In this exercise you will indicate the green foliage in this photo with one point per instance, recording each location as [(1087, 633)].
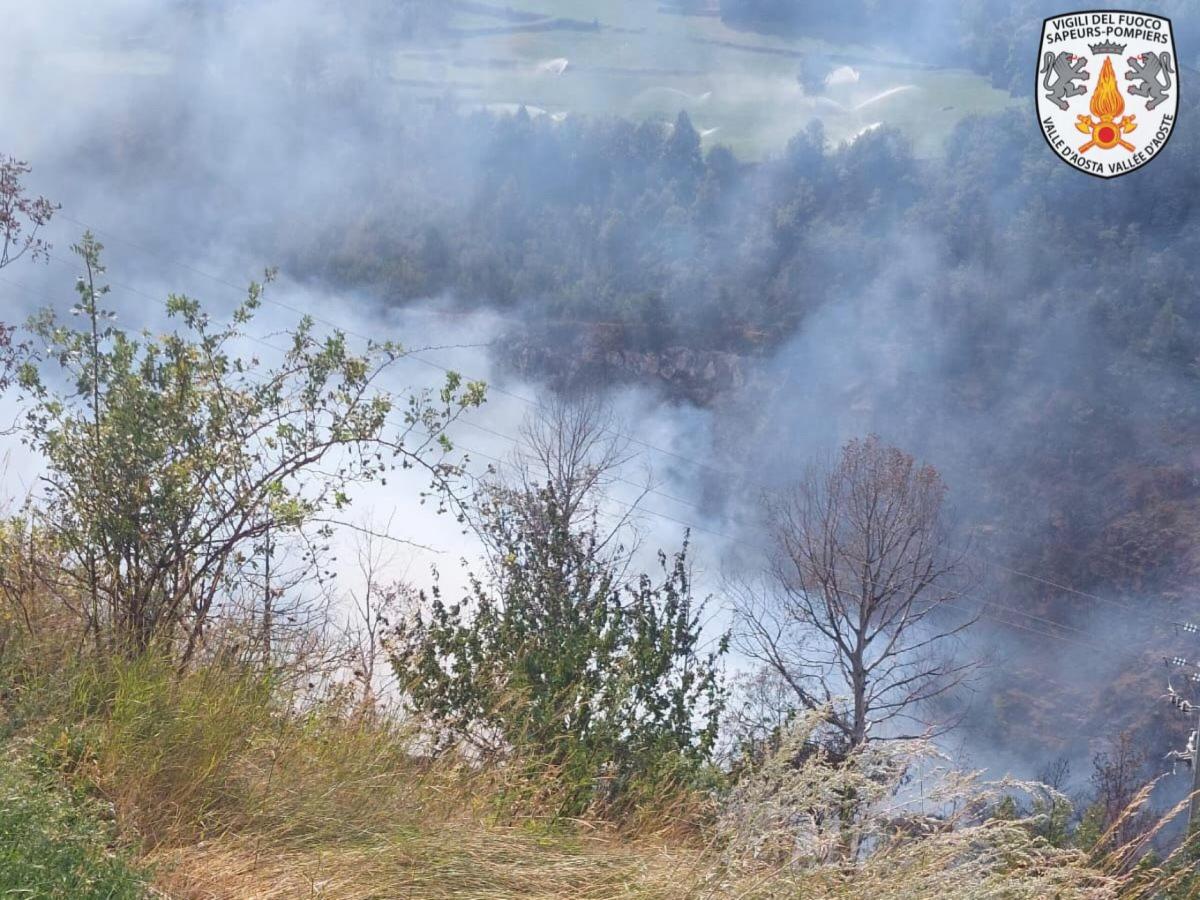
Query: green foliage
[(1048, 815), (53, 845), (171, 458), (21, 218), (1181, 870), (1006, 810), (561, 658), (1053, 818), (1091, 827)]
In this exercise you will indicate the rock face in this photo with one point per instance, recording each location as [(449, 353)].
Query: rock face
[(686, 374)]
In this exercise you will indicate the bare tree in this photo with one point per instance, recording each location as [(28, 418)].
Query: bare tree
[(21, 216), (374, 609), (570, 452), (1118, 815), (849, 613), (572, 445)]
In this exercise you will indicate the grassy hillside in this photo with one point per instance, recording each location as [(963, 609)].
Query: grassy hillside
[(552, 735), (227, 784), (226, 789)]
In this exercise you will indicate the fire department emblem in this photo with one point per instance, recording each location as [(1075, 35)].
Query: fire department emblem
[(1107, 89)]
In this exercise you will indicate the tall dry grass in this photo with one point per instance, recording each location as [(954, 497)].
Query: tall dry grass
[(231, 785), (916, 827)]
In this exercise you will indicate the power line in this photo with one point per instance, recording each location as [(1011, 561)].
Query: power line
[(1072, 591), (332, 324), (473, 452), (628, 507), (638, 508), (1087, 645), (414, 355)]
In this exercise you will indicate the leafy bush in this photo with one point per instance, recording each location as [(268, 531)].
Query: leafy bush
[(562, 659), (174, 464)]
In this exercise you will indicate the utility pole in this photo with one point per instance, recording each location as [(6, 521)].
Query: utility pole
[(1190, 753), (1194, 810)]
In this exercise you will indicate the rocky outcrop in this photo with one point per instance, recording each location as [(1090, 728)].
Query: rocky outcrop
[(701, 377)]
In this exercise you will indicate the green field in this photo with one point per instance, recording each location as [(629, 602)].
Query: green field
[(633, 59), (739, 88)]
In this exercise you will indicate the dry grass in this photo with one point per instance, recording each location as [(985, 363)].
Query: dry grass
[(231, 792), (789, 832), (229, 788), (446, 861), (334, 808)]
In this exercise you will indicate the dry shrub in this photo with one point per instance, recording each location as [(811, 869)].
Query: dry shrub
[(893, 820)]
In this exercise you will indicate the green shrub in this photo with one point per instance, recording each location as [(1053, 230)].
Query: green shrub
[(562, 659)]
